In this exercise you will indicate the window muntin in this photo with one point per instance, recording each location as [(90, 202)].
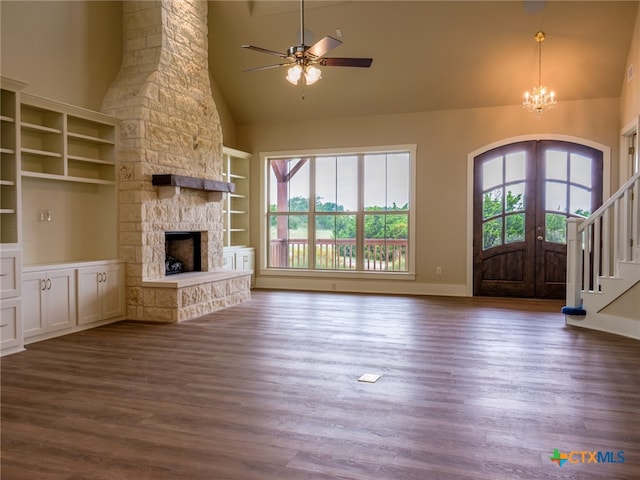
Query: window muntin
[(568, 191), (358, 220), (503, 199)]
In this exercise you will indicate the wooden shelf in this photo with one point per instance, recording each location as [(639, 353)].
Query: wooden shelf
[(39, 128), (90, 139), (194, 183)]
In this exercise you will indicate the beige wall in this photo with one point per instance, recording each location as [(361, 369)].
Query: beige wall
[(67, 51), (444, 139), (630, 97)]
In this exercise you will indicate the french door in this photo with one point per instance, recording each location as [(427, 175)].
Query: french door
[(523, 194)]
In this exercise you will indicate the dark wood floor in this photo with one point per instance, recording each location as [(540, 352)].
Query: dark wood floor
[(471, 388)]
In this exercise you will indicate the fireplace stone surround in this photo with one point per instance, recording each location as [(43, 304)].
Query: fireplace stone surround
[(169, 125)]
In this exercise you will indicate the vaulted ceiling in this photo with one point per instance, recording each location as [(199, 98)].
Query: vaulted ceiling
[(428, 55)]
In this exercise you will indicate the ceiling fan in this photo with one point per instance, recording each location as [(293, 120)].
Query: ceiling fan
[(303, 59)]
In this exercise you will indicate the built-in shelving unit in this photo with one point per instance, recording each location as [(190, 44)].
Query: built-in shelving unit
[(9, 179), (60, 142), (11, 339), (238, 255), (236, 205), (58, 208), (68, 174)]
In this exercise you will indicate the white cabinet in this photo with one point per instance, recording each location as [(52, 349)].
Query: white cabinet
[(11, 326), (10, 273), (49, 302), (101, 294), (10, 300), (228, 260), (244, 258), (239, 258)]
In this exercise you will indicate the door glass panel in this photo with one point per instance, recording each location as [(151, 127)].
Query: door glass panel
[(556, 197), (515, 166), (492, 203), (580, 201), (580, 170), (514, 228), (556, 165), (515, 197), (492, 233), (492, 173), (555, 228)]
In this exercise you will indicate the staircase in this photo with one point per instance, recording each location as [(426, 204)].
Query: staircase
[(603, 265)]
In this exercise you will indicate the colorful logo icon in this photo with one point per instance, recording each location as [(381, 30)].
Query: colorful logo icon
[(559, 458)]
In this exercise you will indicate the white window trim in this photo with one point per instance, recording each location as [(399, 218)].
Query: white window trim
[(263, 269)]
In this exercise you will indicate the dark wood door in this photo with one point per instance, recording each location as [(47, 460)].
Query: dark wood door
[(523, 194)]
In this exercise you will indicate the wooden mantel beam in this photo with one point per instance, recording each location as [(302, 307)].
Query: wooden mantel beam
[(170, 184)]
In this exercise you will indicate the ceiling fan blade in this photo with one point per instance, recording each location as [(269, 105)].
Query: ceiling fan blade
[(323, 46), (264, 50), (266, 67), (347, 62)]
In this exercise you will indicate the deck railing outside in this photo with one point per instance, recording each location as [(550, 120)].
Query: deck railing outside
[(379, 254), (597, 244)]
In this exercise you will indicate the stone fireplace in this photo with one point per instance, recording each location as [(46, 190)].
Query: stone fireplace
[(169, 126)]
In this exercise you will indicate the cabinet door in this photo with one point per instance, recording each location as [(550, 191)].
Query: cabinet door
[(34, 316), (10, 268), (113, 296), (244, 259), (228, 261), (61, 299), (10, 323), (89, 297)]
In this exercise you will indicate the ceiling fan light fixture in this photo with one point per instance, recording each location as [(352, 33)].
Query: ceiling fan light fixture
[(312, 74), (294, 74)]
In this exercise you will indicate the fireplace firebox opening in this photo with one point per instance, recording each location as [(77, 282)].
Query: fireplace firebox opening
[(182, 252)]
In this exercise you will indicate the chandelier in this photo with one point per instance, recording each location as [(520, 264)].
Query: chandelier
[(541, 98)]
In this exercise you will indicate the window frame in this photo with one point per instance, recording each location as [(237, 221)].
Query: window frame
[(264, 269)]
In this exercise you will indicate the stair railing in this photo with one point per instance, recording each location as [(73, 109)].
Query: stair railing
[(595, 245)]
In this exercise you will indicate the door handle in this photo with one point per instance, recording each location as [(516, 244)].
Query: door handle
[(540, 237)]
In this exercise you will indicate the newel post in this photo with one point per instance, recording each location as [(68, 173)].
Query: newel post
[(574, 263)]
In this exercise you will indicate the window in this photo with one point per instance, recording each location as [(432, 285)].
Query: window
[(340, 213)]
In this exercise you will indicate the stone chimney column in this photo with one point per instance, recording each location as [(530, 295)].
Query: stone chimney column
[(168, 125)]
